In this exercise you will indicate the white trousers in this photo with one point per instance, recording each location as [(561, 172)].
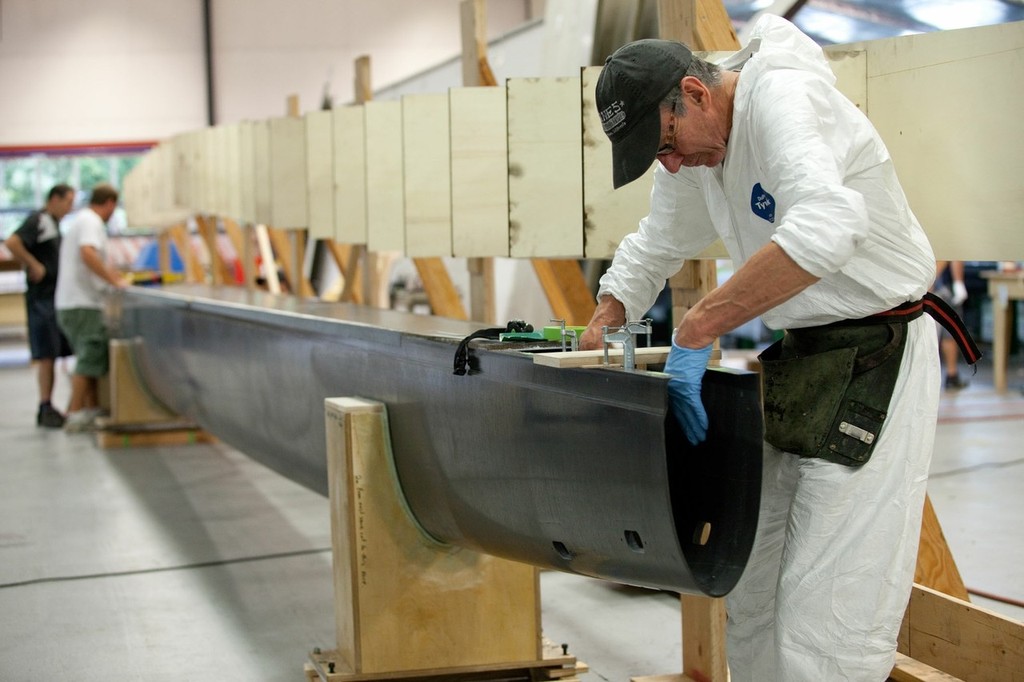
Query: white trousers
[(827, 584)]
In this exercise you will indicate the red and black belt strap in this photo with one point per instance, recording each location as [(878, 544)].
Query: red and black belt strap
[(938, 309)]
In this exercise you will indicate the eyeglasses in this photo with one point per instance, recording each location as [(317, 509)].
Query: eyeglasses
[(670, 146)]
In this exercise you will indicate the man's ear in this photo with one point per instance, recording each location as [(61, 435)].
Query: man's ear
[(694, 90)]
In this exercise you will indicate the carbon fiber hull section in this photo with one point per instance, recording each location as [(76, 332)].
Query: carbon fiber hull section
[(573, 469)]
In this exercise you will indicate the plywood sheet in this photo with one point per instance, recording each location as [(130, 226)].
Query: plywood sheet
[(261, 174), (545, 166), (608, 214), (246, 173), (850, 65), (427, 168), (288, 183), (182, 186), (385, 206), (479, 171), (232, 171), (349, 175), (320, 174), (948, 106), (201, 153)]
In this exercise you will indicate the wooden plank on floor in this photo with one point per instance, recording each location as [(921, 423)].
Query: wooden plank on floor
[(152, 438), (909, 670), (962, 639)]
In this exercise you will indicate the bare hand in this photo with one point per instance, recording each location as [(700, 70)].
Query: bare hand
[(609, 313), (36, 272), (591, 338)]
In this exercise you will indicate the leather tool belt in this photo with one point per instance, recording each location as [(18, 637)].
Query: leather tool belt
[(827, 389)]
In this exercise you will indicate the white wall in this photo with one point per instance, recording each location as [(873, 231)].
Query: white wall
[(132, 70), (99, 71), (265, 50)]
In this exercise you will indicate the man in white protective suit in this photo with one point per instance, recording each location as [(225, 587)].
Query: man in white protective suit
[(766, 154)]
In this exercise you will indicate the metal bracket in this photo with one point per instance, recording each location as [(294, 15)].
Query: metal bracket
[(624, 335), (570, 334)]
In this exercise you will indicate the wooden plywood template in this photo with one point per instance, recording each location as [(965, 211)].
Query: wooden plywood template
[(958, 150), (288, 184), (320, 174), (349, 176), (385, 203), (608, 214), (232, 170), (479, 171), (246, 173), (261, 172), (212, 188), (182, 194), (201, 170), (427, 168), (850, 65), (545, 168)]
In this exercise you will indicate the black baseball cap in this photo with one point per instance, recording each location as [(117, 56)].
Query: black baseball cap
[(632, 84)]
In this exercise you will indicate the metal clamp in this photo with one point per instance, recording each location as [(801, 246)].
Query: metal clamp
[(573, 343), (624, 335)]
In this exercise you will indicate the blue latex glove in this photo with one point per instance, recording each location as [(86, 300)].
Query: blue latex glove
[(687, 366)]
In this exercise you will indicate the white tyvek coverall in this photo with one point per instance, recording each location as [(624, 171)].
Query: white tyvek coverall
[(827, 584)]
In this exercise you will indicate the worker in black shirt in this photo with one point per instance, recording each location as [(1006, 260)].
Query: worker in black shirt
[(36, 245)]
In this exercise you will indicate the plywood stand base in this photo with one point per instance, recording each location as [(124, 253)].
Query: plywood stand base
[(328, 666), (137, 418), (406, 606)]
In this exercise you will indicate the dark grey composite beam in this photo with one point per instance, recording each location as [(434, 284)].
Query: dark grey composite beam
[(572, 469)]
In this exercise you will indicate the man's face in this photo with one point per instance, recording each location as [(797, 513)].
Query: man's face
[(694, 139), (106, 209), (59, 206)]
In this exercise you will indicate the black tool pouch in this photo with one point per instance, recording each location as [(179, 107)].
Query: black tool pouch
[(827, 389)]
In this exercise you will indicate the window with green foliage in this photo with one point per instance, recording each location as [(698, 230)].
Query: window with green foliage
[(28, 179)]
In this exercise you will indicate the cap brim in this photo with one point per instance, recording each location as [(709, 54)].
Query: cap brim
[(633, 154)]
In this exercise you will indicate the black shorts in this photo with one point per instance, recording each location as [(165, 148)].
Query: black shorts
[(45, 339)]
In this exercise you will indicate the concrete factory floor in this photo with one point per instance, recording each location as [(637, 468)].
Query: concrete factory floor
[(196, 563)]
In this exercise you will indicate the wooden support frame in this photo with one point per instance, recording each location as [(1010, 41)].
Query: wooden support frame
[(242, 239), (220, 271), (956, 637), (406, 606), (183, 242)]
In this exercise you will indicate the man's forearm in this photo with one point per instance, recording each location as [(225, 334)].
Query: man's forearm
[(769, 278), (20, 253), (93, 261)]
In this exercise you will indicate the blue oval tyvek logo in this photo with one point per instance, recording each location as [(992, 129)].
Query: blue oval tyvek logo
[(762, 203)]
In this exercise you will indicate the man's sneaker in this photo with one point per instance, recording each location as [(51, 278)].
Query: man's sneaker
[(955, 383), (49, 418), (80, 421)]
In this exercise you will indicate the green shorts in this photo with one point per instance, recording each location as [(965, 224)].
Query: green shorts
[(88, 336)]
